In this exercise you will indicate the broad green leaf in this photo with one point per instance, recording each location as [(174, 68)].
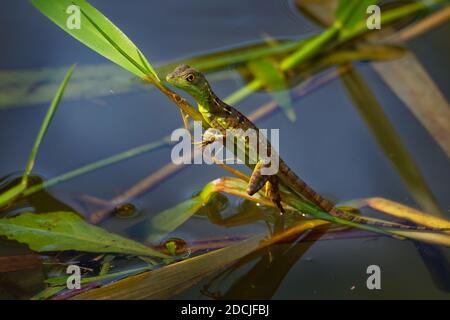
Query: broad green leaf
[(98, 33), (267, 71), (389, 141), (60, 231)]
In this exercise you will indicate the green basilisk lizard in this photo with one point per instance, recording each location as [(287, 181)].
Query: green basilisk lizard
[(227, 119)]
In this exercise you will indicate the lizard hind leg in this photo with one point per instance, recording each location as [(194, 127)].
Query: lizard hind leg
[(273, 193)]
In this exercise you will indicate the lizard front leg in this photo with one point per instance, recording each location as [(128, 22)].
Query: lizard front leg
[(210, 136)]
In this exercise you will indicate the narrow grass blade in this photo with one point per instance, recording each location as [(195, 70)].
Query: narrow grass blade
[(420, 94), (402, 211), (389, 141), (17, 190), (98, 165), (268, 72), (349, 13), (229, 58), (48, 118)]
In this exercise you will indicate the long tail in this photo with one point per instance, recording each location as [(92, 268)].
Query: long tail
[(299, 186)]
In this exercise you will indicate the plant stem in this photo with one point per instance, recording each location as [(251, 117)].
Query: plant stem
[(309, 49)]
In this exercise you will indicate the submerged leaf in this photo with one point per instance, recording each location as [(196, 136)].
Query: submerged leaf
[(60, 231)]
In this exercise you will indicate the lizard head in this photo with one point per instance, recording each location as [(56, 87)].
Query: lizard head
[(190, 80)]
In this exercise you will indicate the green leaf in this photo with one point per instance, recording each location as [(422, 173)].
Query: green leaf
[(48, 118), (350, 12), (11, 194), (228, 58), (99, 34), (267, 71), (18, 189), (60, 231), (170, 219)]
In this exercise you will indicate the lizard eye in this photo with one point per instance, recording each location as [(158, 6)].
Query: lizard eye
[(190, 78)]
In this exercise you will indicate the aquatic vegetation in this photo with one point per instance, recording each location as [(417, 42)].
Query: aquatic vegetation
[(282, 68), (60, 231), (16, 191)]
